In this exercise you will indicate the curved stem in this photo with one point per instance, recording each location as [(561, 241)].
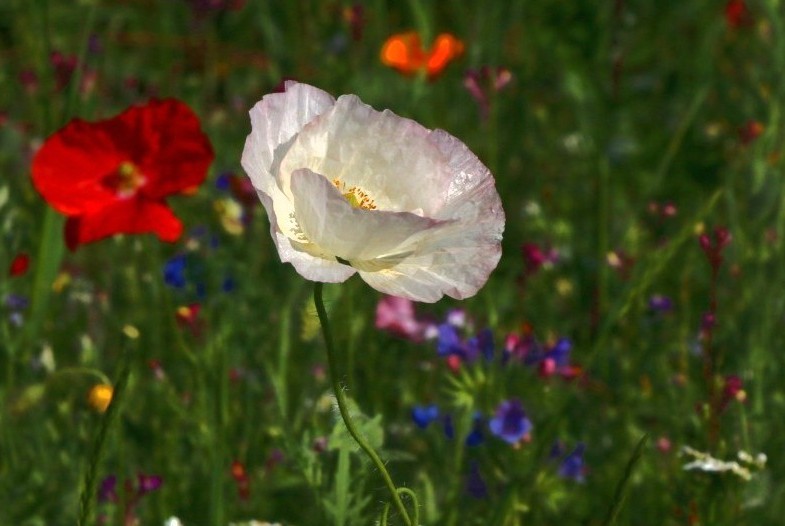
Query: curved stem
[(344, 410)]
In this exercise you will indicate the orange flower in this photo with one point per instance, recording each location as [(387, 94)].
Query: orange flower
[(404, 52), (100, 396)]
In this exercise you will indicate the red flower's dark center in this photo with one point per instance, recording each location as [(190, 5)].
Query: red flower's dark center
[(125, 180)]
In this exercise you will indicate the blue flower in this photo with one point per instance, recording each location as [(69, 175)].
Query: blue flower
[(482, 344), (424, 415), (475, 436), (573, 466), (174, 271), (449, 341), (510, 422)]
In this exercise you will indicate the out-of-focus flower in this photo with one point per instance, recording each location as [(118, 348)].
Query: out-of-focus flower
[(147, 483), (449, 343), (404, 52), (174, 271), (397, 316), (19, 265), (63, 66), (423, 415), (100, 396), (621, 262), (29, 81), (475, 484), (240, 476), (188, 317), (354, 15), (573, 465), (737, 14), (660, 303), (231, 215), (113, 176), (713, 248), (476, 436), (15, 303), (535, 257), (733, 389), (205, 7), (348, 189), (510, 422), (751, 130), (705, 462), (553, 360), (483, 83), (107, 489)]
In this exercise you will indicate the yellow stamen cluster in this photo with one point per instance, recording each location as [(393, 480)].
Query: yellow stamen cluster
[(356, 197), (126, 179)]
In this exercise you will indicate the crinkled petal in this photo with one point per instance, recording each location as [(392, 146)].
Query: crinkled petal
[(388, 157), (129, 216), (456, 260), (362, 237), (274, 121)]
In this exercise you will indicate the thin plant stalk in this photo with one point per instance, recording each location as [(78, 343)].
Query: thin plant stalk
[(96, 451), (344, 410)]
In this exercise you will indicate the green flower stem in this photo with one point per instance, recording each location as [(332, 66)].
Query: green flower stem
[(344, 410), (88, 484)]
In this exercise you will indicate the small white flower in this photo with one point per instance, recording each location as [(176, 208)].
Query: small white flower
[(705, 462), (350, 189)]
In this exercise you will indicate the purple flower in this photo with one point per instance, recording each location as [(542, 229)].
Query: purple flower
[(475, 485), (16, 302), (573, 466), (423, 415), (510, 422), (147, 483), (450, 343), (106, 490), (482, 344), (659, 303)]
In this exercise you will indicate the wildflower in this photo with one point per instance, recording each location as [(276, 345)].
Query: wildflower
[(354, 15), (174, 271), (553, 361), (147, 483), (510, 422), (573, 466), (475, 436), (705, 462), (396, 316), (732, 390), (535, 258), (63, 66), (240, 476), (107, 489), (404, 52), (751, 130), (449, 343), (348, 189), (188, 316), (475, 484), (484, 82), (19, 265), (737, 14), (713, 248), (424, 415), (113, 176), (231, 215), (660, 303), (100, 396)]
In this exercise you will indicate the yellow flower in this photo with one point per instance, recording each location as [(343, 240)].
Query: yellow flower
[(100, 396)]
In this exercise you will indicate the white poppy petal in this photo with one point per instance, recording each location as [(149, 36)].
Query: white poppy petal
[(354, 234), (389, 157), (275, 120)]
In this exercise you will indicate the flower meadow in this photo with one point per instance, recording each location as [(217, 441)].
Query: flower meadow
[(391, 263)]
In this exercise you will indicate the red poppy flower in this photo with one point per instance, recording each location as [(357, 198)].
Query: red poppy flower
[(404, 52), (113, 176)]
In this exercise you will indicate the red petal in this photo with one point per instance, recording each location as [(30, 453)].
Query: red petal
[(69, 168), (125, 216), (175, 154)]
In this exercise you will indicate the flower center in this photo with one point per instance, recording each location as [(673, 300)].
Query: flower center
[(357, 197), (125, 180)]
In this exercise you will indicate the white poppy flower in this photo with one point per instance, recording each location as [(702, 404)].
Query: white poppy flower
[(350, 189)]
